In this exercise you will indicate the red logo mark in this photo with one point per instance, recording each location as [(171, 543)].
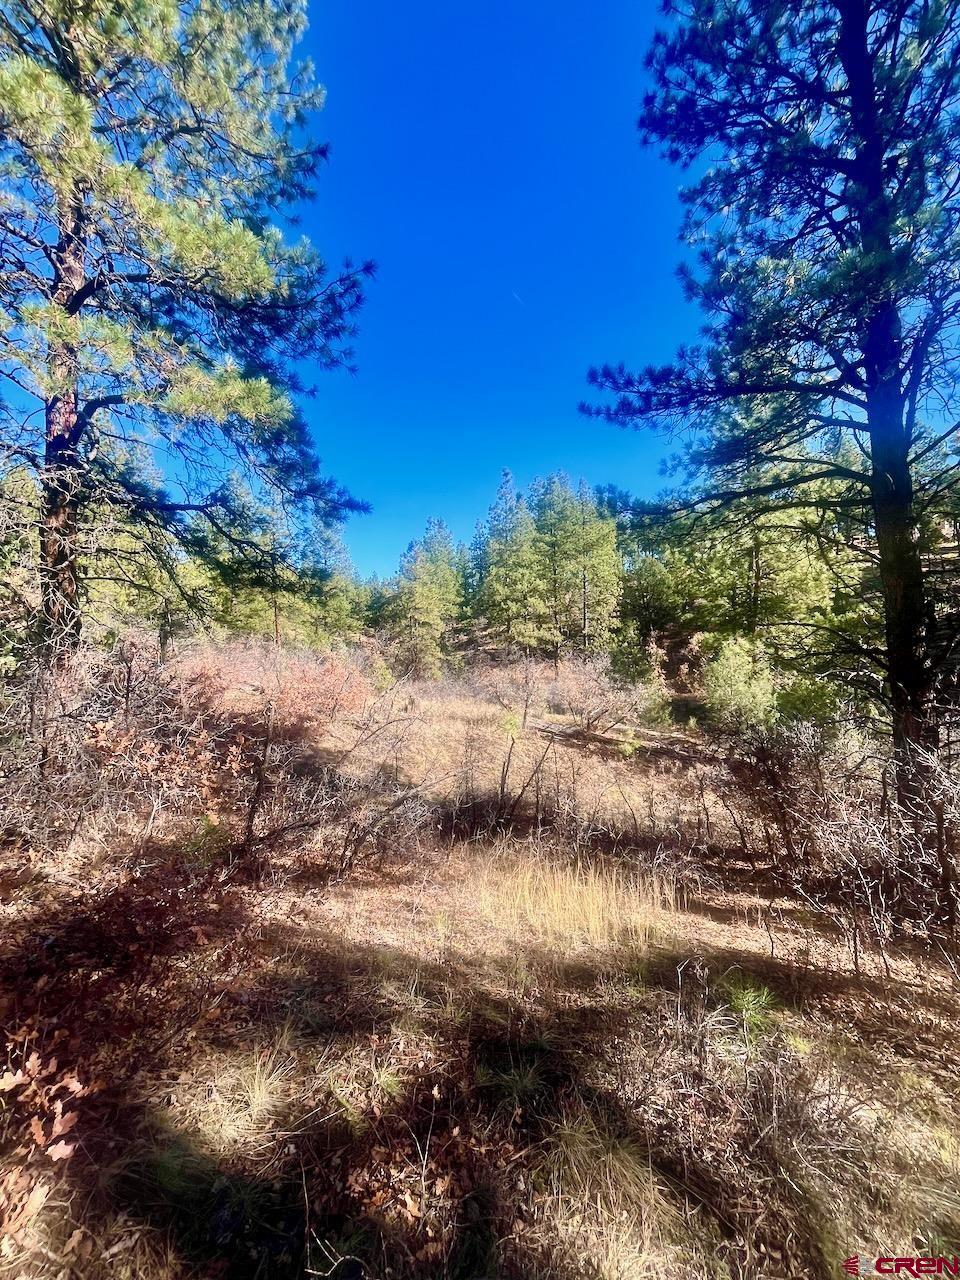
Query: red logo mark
[(859, 1266)]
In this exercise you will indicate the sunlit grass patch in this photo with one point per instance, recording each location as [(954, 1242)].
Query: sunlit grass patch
[(573, 904), (914, 1146), (235, 1099), (361, 1083)]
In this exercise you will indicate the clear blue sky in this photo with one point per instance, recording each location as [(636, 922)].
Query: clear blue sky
[(486, 156)]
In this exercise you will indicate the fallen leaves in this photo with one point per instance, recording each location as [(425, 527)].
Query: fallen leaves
[(21, 1199), (38, 1087), (79, 1245), (63, 1120)]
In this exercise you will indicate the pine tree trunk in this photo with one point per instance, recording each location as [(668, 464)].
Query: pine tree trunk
[(59, 578), (906, 608), (60, 477), (585, 611)]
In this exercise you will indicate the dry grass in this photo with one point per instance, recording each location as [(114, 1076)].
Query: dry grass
[(244, 1094), (628, 787), (607, 1204), (572, 904), (447, 1063)]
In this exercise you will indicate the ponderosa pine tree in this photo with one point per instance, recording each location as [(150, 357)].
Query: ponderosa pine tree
[(579, 566), (827, 222), (599, 568), (150, 309), (512, 591), (422, 609)]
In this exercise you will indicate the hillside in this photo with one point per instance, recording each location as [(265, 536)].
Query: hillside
[(347, 982)]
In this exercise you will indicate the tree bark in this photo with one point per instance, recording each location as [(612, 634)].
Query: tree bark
[(60, 476), (907, 609)]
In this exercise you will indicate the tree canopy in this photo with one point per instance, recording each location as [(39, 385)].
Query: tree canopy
[(154, 316), (824, 218)]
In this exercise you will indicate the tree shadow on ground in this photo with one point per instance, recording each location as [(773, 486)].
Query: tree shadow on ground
[(431, 1173)]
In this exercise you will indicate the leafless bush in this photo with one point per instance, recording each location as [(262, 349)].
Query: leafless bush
[(306, 690), (522, 688), (588, 690), (216, 751), (104, 742), (829, 822)]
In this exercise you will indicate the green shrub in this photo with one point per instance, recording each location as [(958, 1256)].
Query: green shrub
[(810, 699), (753, 1002), (739, 687)]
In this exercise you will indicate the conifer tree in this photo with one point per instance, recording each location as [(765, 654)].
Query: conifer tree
[(825, 219), (600, 571), (150, 308), (513, 589), (422, 610), (579, 565)]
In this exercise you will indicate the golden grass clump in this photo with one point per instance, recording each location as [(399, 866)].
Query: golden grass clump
[(245, 1092), (573, 904), (606, 1203)]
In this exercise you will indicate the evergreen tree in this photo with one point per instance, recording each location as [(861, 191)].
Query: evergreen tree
[(424, 607), (579, 565), (827, 224), (793, 582), (597, 562), (149, 304), (477, 567), (306, 593), (513, 596), (17, 563)]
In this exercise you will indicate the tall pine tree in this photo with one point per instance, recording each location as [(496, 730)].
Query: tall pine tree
[(826, 217), (513, 594), (424, 606), (579, 565), (150, 307)]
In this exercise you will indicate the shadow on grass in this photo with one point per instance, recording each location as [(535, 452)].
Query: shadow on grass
[(428, 1166)]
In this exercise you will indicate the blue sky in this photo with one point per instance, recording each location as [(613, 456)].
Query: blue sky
[(487, 157)]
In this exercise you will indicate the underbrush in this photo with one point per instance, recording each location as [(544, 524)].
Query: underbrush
[(821, 812), (302, 974)]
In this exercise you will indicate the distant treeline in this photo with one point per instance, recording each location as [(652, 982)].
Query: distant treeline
[(554, 571)]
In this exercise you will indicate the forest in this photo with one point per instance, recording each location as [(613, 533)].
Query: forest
[(577, 900)]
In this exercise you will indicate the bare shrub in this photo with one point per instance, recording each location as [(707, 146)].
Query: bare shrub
[(588, 690), (215, 751), (306, 690), (825, 815), (522, 688), (107, 741)]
